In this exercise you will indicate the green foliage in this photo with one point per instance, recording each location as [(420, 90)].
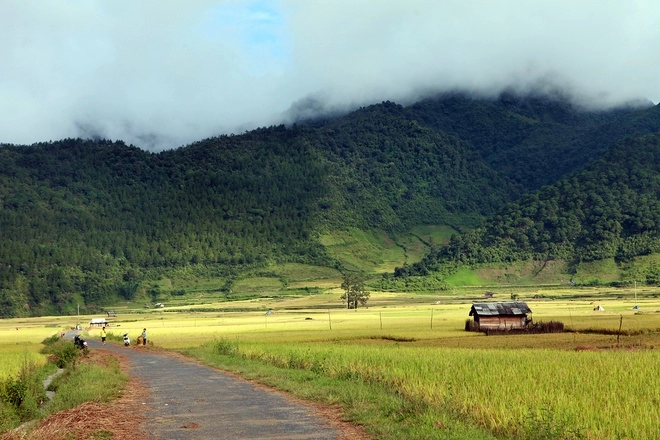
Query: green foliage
[(611, 210), (21, 396), (8, 416), (225, 347), (61, 352), (354, 291), (546, 425), (86, 383)]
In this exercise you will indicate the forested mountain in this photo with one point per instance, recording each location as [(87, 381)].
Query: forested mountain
[(609, 210), (534, 140), (86, 220)]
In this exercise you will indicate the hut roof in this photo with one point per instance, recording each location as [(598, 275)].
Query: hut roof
[(500, 309)]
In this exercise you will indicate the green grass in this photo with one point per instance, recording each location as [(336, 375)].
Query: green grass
[(86, 383), (377, 252), (578, 392), (434, 234), (256, 285), (464, 277), (382, 413), (602, 271)]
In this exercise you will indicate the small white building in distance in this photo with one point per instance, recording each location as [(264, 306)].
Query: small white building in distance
[(98, 322)]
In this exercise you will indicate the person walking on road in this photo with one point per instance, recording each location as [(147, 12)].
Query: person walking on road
[(144, 336), (103, 335)]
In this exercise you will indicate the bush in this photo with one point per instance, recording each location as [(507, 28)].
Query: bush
[(51, 340), (225, 347), (61, 352), (536, 328), (8, 416), (111, 336), (21, 396)]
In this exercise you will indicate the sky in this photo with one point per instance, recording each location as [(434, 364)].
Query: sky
[(160, 74)]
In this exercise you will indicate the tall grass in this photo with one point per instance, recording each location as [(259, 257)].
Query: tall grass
[(520, 394), (21, 395), (87, 383), (12, 358)]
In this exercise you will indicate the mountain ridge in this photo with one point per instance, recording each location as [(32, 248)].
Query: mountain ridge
[(87, 220)]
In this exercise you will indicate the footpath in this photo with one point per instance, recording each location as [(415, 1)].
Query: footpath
[(187, 400)]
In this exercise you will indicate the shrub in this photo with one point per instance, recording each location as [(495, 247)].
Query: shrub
[(225, 347), (8, 416), (23, 395), (61, 352)]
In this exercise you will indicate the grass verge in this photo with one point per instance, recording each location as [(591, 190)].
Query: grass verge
[(86, 382), (382, 413), (23, 398)]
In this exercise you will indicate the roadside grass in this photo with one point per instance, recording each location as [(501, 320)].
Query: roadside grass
[(21, 394), (572, 394), (383, 414), (86, 382), (34, 351)]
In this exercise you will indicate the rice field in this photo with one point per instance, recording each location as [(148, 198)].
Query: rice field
[(568, 385), (595, 394), (20, 342)]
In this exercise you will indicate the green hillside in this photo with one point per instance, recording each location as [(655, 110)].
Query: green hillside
[(379, 191), (534, 140), (608, 212)]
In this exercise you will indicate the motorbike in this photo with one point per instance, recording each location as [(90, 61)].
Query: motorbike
[(127, 340), (80, 342)]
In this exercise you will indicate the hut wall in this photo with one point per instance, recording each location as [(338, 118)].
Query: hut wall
[(501, 322)]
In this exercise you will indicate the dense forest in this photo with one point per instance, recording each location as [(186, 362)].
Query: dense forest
[(609, 210), (534, 177)]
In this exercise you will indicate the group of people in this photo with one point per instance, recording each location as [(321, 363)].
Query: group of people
[(127, 340)]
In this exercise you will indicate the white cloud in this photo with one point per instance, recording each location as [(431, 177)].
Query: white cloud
[(160, 74)]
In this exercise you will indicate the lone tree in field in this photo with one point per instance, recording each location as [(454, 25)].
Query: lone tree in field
[(354, 292)]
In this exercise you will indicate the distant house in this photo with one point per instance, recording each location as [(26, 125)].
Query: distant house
[(111, 314), (500, 315), (98, 322)]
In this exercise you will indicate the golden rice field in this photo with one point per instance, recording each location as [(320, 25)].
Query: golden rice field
[(20, 341), (587, 385)]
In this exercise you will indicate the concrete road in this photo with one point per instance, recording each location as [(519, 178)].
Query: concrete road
[(191, 401)]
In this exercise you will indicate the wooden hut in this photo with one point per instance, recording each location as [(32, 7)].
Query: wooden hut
[(500, 315), (98, 322)]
